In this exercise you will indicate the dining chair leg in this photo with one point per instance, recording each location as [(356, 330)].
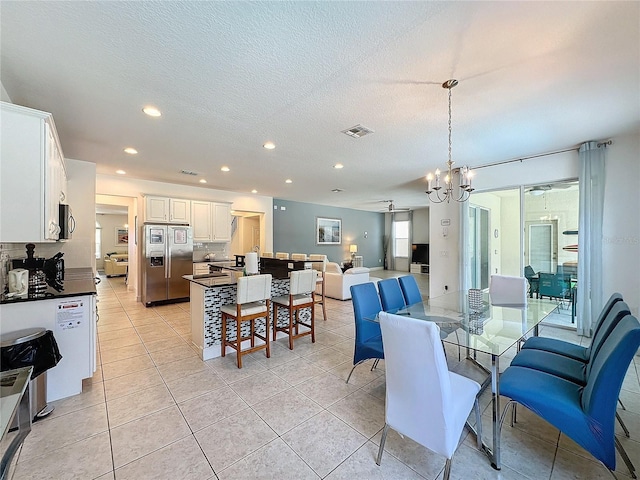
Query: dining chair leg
[(382, 440), (354, 367), (621, 404), (447, 469), (625, 457), (476, 407), (624, 427)]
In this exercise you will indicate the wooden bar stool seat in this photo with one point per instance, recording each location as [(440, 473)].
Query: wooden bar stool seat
[(302, 285), (252, 303)]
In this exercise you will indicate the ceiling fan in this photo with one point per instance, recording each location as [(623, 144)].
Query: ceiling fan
[(540, 189), (392, 208)]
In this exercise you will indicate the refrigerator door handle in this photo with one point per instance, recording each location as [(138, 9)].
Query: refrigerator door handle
[(168, 264)]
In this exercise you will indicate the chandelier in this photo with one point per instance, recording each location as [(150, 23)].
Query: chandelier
[(464, 188)]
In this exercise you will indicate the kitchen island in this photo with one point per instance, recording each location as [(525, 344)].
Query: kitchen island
[(208, 294)]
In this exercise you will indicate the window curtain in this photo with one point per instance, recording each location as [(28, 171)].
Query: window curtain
[(392, 244), (464, 249), (591, 203)]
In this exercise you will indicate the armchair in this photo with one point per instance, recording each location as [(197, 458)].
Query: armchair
[(338, 283), (116, 264)]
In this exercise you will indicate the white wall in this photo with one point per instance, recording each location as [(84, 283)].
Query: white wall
[(420, 226), (81, 188), (621, 223)]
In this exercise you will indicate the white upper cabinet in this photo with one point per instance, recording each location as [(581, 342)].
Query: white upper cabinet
[(221, 222), (32, 176), (167, 210), (201, 221), (211, 221)]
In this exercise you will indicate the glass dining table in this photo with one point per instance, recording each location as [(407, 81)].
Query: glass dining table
[(477, 325)]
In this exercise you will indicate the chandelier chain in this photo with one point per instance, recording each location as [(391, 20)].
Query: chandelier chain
[(449, 125)]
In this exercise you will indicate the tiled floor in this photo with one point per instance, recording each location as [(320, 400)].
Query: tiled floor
[(153, 410)]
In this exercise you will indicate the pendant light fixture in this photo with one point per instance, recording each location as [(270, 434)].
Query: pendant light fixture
[(464, 188)]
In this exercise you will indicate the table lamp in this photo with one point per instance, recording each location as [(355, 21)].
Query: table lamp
[(353, 248)]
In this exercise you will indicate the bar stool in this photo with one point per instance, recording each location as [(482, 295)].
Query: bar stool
[(319, 264), (252, 302), (267, 254), (282, 256), (299, 256), (302, 285)]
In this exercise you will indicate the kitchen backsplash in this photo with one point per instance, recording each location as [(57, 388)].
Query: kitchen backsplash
[(200, 250), (12, 251)]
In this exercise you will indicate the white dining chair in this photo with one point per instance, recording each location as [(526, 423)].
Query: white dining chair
[(508, 290), (424, 400)]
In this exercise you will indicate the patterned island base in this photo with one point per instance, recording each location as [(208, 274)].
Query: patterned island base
[(206, 324)]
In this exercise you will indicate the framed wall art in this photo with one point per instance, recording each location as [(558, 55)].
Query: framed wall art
[(122, 236), (328, 231)]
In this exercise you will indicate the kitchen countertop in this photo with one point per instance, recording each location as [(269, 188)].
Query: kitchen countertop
[(216, 260), (77, 281), (215, 279)]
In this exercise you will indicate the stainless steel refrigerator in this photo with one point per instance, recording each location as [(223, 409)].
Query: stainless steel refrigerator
[(167, 256)]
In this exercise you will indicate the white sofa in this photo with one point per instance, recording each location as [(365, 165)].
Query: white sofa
[(338, 284)]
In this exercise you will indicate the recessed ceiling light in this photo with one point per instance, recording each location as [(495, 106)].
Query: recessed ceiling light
[(131, 151), (152, 111), (224, 168), (288, 180), (254, 191), (121, 172), (269, 145), (338, 166), (202, 180)]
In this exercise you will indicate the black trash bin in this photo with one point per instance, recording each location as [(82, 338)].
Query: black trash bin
[(36, 347)]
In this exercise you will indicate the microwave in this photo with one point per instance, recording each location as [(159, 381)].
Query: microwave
[(66, 221)]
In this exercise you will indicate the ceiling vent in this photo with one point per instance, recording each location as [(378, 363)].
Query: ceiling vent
[(337, 190), (189, 172), (357, 131)]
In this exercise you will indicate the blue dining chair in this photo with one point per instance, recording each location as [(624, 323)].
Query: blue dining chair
[(576, 371), (568, 349), (586, 414), (391, 294), (368, 342), (410, 289)]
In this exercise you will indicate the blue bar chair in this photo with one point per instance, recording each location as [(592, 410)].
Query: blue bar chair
[(586, 414), (368, 342)]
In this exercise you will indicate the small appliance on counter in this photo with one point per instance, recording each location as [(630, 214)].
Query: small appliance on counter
[(19, 282)]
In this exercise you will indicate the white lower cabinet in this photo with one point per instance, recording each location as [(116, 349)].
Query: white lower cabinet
[(73, 323)]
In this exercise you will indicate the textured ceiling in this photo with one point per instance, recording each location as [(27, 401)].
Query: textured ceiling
[(228, 76)]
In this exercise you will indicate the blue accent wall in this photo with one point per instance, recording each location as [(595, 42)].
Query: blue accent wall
[(294, 231)]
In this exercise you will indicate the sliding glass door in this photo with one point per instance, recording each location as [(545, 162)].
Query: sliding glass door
[(479, 246)]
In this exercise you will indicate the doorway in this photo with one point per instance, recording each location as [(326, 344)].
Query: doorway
[(479, 247), (541, 245), (247, 234)]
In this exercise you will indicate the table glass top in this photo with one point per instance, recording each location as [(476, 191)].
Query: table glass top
[(486, 328)]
